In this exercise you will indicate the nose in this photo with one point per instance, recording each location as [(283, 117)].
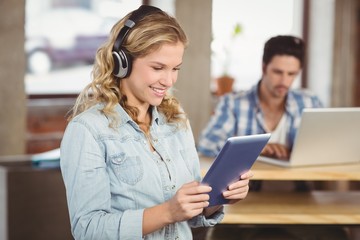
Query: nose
[(283, 78), (169, 78), (287, 78)]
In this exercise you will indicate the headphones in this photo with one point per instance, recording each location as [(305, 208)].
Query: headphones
[(122, 59)]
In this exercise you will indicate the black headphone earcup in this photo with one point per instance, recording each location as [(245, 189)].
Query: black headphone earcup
[(122, 64), (122, 59)]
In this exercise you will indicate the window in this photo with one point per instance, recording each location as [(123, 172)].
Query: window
[(241, 55), (62, 38)]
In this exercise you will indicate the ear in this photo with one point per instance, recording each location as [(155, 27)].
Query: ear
[(264, 68)]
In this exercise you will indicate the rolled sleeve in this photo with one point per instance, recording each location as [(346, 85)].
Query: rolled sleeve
[(202, 221), (131, 219)]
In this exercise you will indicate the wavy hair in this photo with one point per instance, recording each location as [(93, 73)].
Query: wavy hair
[(148, 35)]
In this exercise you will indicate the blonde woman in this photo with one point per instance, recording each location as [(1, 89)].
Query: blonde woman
[(128, 156)]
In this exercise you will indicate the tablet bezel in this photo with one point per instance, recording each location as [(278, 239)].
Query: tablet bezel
[(226, 169)]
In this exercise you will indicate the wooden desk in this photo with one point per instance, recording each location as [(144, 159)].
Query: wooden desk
[(295, 208), (316, 207), (265, 171)]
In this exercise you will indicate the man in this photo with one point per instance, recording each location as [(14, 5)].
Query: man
[(269, 106)]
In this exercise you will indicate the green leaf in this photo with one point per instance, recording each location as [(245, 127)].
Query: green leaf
[(237, 29)]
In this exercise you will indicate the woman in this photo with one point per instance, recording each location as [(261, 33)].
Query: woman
[(128, 156)]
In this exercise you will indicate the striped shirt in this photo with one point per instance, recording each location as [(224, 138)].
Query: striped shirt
[(239, 114)]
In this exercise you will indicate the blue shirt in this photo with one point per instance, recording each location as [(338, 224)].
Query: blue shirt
[(239, 114), (111, 175)]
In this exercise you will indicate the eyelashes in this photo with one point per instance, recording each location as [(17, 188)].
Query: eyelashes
[(162, 68)]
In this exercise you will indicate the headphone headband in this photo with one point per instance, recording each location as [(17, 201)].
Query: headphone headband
[(122, 59), (129, 24), (136, 16)]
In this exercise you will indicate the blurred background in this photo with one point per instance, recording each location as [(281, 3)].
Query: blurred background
[(48, 48)]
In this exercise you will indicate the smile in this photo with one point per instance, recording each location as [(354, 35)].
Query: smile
[(158, 90)]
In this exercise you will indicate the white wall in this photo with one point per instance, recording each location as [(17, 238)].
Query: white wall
[(166, 5), (320, 48), (258, 25)]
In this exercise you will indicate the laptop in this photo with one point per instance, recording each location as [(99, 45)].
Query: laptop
[(325, 136)]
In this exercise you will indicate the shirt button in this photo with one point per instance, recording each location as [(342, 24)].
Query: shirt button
[(177, 238), (173, 187), (168, 159), (155, 140)]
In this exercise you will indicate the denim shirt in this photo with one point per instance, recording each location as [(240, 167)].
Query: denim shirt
[(239, 114), (111, 175)]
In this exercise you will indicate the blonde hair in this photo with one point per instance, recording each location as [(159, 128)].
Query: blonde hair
[(148, 35)]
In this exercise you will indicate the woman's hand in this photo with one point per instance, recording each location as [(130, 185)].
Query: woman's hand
[(238, 190), (188, 202)]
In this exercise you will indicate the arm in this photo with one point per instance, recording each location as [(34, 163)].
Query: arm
[(236, 191), (188, 202), (316, 102), (88, 189), (276, 150), (220, 127)]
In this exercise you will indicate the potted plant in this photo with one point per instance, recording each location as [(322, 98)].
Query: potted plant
[(224, 82)]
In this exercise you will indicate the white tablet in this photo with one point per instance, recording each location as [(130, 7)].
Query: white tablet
[(235, 158)]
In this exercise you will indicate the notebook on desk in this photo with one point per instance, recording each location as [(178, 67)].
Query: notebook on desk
[(325, 136)]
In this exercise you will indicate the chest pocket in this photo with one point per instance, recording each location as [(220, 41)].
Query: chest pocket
[(128, 169)]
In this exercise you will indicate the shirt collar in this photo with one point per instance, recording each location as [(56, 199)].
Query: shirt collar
[(255, 95), (156, 117), (290, 105), (125, 118)]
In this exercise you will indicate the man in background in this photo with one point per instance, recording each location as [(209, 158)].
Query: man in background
[(270, 106)]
